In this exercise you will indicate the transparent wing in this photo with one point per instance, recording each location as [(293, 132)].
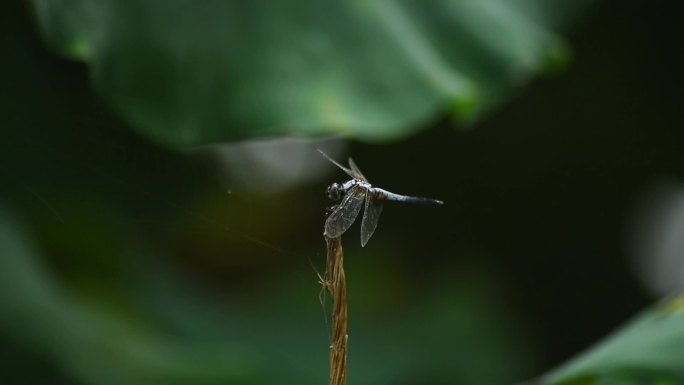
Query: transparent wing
[(348, 171), (345, 213), (355, 169), (371, 214)]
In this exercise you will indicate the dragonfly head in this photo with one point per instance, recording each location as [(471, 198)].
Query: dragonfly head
[(334, 191)]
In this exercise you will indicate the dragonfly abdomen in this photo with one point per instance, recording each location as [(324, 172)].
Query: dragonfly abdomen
[(390, 196)]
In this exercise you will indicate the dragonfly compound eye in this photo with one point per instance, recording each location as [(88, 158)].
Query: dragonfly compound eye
[(334, 192)]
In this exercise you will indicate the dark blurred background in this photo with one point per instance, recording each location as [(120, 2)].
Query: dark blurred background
[(123, 262)]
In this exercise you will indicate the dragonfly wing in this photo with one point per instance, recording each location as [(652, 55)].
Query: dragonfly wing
[(348, 171), (371, 215), (355, 169), (345, 213)]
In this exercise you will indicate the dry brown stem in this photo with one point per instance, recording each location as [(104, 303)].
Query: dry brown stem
[(335, 283)]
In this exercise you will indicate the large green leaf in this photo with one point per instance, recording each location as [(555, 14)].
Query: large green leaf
[(649, 350), (185, 73)]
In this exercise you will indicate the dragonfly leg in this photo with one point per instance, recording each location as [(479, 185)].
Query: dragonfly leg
[(329, 210)]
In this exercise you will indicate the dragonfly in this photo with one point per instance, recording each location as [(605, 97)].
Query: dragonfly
[(351, 196)]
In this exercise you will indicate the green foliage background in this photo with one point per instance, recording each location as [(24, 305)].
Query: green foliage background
[(124, 261)]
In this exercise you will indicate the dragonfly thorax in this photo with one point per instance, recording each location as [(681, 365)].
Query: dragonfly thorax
[(336, 190)]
